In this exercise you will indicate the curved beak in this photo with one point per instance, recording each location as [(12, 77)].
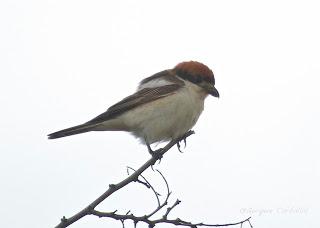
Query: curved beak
[(209, 88), (214, 92)]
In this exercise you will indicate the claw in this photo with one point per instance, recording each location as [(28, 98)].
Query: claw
[(184, 139), (149, 148), (178, 145), (154, 153), (157, 154)]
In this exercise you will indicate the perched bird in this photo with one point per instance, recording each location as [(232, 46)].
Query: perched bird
[(165, 106)]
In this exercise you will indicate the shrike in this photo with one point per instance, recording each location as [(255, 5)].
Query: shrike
[(165, 106)]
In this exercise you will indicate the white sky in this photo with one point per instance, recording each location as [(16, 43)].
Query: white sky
[(256, 149)]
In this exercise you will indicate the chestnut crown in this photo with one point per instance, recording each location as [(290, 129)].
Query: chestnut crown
[(195, 72), (198, 74)]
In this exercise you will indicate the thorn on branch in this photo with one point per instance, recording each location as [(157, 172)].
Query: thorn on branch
[(64, 219), (157, 155), (152, 223), (169, 209), (112, 186)]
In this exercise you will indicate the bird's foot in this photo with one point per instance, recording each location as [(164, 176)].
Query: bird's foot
[(184, 139), (155, 153), (179, 146)]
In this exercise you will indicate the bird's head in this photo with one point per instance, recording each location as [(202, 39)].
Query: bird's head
[(198, 74)]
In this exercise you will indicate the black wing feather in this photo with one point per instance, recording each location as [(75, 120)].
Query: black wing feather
[(142, 96)]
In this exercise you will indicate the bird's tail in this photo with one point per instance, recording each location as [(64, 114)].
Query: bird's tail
[(82, 128)]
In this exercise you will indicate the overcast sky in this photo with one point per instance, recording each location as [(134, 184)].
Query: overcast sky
[(255, 151)]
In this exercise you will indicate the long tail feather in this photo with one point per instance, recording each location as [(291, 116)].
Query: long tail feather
[(82, 128)]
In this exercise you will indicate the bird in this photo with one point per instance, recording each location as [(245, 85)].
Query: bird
[(165, 106)]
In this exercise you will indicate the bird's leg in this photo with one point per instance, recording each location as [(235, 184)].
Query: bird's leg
[(154, 153), (149, 147)]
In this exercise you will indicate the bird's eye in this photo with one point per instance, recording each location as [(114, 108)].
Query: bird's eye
[(209, 80), (198, 79)]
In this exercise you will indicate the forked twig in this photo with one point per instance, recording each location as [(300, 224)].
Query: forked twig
[(134, 177), (114, 187)]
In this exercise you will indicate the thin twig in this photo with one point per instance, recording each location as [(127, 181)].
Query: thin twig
[(178, 222), (169, 209), (165, 202), (90, 209), (114, 187), (148, 185)]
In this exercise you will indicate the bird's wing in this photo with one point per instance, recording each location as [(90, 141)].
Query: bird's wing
[(141, 97), (162, 78)]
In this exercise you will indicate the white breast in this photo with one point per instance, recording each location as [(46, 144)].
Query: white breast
[(166, 118)]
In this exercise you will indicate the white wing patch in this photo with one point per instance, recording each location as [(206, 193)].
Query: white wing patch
[(157, 82)]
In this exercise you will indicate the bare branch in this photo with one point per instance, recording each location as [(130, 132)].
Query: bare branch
[(134, 177), (152, 223), (114, 187), (148, 185), (169, 209), (165, 202)]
